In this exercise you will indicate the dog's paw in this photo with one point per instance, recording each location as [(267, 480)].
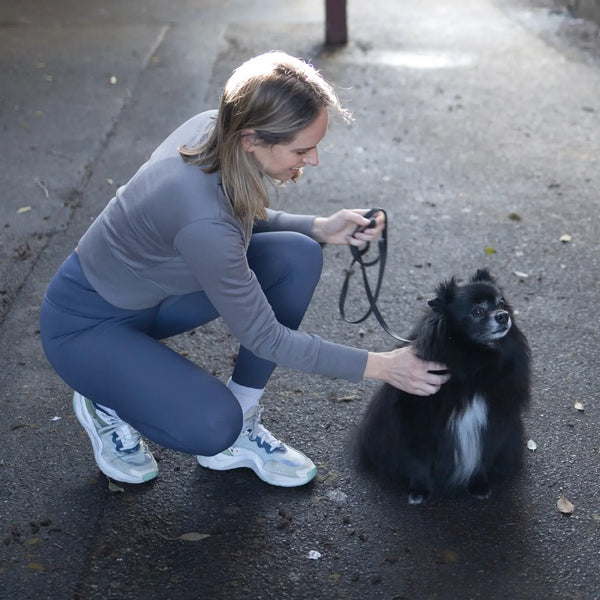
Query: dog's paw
[(416, 497), (480, 489)]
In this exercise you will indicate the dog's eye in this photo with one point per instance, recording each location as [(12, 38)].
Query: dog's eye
[(502, 304), (478, 312)]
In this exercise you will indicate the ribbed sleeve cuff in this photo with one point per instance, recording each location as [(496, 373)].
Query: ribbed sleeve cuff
[(336, 360)]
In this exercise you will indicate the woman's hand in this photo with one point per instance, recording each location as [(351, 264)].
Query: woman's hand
[(339, 228), (404, 370)]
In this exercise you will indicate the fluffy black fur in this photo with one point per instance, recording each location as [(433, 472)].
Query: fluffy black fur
[(471, 430)]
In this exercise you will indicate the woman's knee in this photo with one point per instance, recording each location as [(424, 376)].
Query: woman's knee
[(275, 256), (300, 260), (307, 254), (219, 431)]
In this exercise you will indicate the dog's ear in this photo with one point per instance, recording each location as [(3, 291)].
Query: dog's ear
[(445, 294), (482, 275)]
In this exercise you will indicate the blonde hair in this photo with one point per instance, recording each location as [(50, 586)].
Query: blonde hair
[(276, 96)]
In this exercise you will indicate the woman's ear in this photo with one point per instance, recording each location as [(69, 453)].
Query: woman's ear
[(249, 140)]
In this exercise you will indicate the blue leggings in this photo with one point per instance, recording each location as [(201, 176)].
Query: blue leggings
[(114, 357)]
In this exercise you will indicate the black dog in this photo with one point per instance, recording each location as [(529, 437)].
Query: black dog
[(471, 430)]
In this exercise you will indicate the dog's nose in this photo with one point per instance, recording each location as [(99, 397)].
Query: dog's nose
[(501, 317)]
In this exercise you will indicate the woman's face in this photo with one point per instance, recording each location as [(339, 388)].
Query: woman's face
[(284, 162)]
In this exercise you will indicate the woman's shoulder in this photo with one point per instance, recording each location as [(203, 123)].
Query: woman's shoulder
[(190, 133)]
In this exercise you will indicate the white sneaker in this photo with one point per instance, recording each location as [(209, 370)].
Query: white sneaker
[(256, 448), (119, 451)]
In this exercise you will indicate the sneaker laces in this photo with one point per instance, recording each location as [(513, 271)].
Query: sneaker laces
[(122, 432), (257, 429)]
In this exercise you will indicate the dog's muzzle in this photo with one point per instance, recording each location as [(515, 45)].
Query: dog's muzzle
[(502, 321), (502, 317)]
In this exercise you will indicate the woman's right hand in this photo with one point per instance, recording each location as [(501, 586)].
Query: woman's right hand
[(403, 369)]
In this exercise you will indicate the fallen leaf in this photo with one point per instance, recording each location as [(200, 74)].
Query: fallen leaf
[(564, 506), (521, 274), (44, 188), (578, 406), (23, 209), (34, 541), (565, 238), (449, 557), (113, 487), (490, 250), (194, 536), (32, 566), (532, 445), (347, 398), (328, 479), (514, 217), (314, 555), (336, 495)]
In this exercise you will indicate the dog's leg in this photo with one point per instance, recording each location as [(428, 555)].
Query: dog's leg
[(420, 483), (479, 486), (418, 495)]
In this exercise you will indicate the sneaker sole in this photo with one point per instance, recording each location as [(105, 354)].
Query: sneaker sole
[(84, 418), (223, 463)]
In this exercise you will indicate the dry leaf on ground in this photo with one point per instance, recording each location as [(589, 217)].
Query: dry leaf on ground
[(114, 487), (194, 536), (564, 506)]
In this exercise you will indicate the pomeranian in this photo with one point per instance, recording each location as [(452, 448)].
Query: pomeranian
[(470, 431)]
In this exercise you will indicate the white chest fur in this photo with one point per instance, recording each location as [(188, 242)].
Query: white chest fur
[(466, 427)]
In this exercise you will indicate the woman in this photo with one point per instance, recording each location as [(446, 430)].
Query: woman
[(190, 238)]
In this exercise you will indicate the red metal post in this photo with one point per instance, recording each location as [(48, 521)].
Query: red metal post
[(336, 30)]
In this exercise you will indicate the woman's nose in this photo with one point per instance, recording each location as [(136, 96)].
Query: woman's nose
[(312, 158)]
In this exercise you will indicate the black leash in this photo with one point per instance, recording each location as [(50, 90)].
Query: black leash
[(359, 258)]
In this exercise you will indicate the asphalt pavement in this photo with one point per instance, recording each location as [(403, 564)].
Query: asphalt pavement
[(477, 127)]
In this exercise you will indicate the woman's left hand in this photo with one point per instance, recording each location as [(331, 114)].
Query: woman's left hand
[(340, 228)]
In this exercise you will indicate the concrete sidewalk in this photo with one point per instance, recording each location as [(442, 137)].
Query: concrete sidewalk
[(477, 128)]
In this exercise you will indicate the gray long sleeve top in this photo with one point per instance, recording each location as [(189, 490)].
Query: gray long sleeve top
[(170, 231)]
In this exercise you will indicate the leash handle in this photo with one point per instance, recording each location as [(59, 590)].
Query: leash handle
[(372, 296)]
